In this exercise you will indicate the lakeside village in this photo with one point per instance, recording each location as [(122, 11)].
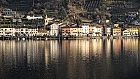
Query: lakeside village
[(16, 28)]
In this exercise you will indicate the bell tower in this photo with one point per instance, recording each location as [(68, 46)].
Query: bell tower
[(46, 20)]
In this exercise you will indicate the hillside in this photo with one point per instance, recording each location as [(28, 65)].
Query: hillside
[(69, 9)]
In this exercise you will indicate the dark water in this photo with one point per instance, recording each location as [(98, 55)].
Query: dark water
[(70, 59)]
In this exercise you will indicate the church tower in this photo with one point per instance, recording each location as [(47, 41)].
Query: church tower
[(46, 20)]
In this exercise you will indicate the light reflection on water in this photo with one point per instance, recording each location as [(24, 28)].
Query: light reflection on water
[(70, 59)]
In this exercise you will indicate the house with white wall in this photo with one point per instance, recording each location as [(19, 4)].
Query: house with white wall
[(26, 31), (7, 31), (98, 30), (126, 33), (53, 29), (85, 29), (76, 31), (107, 31)]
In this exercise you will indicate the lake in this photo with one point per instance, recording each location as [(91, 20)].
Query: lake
[(70, 59)]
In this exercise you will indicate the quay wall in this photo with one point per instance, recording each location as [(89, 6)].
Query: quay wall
[(66, 38)]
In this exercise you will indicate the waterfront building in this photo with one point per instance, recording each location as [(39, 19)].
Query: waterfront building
[(26, 31), (76, 31), (91, 30), (65, 31), (7, 32), (116, 31), (43, 32), (97, 30), (107, 31), (126, 32), (134, 31), (85, 29), (53, 29)]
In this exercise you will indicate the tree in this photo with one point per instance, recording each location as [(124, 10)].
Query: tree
[(65, 3), (78, 22), (62, 13)]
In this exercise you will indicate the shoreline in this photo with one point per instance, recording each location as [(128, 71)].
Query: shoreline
[(67, 38)]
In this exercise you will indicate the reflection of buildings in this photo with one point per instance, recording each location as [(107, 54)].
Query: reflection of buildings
[(75, 59), (97, 48), (108, 48), (138, 53), (46, 53), (20, 55), (85, 49), (90, 48), (130, 44), (76, 54), (116, 46), (54, 50)]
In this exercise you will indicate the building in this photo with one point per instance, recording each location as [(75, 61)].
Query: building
[(65, 31), (26, 31), (116, 31), (9, 12), (134, 31), (53, 29), (7, 20), (98, 30), (107, 31), (43, 32), (91, 30), (7, 32), (34, 17), (72, 31), (46, 20), (137, 22), (76, 31), (85, 29), (126, 32), (133, 14)]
